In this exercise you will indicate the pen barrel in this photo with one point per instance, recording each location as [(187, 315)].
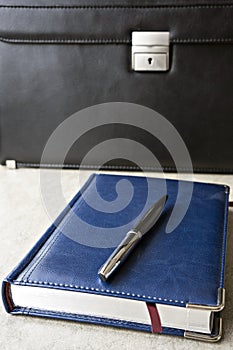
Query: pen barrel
[(119, 254)]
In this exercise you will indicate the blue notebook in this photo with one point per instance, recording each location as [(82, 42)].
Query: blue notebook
[(172, 283)]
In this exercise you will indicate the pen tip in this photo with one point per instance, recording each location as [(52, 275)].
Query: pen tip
[(102, 277)]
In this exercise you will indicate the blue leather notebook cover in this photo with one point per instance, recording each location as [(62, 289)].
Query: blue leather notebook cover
[(179, 268)]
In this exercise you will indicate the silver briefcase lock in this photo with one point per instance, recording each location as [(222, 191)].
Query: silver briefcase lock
[(150, 51)]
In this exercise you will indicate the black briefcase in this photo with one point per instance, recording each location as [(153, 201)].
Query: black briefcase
[(172, 56)]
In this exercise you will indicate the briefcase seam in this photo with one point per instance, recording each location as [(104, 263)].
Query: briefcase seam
[(114, 7), (111, 41), (120, 167)]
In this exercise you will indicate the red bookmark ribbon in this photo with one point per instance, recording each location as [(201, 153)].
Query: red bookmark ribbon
[(155, 319)]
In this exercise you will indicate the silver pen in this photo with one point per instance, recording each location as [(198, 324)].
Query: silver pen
[(131, 239)]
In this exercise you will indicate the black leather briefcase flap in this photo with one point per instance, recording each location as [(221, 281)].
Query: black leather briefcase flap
[(173, 56)]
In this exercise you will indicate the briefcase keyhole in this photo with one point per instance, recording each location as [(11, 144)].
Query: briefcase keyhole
[(150, 60)]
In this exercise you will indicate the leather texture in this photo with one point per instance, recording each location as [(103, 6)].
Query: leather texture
[(58, 58), (184, 266)]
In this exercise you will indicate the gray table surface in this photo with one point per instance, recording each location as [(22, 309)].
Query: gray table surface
[(23, 219)]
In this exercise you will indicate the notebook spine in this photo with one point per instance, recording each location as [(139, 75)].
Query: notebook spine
[(6, 294)]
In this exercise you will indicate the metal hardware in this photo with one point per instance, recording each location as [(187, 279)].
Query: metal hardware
[(150, 51), (216, 336), (216, 308), (11, 164)]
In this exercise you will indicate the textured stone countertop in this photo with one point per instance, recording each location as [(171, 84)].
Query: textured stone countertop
[(24, 218)]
